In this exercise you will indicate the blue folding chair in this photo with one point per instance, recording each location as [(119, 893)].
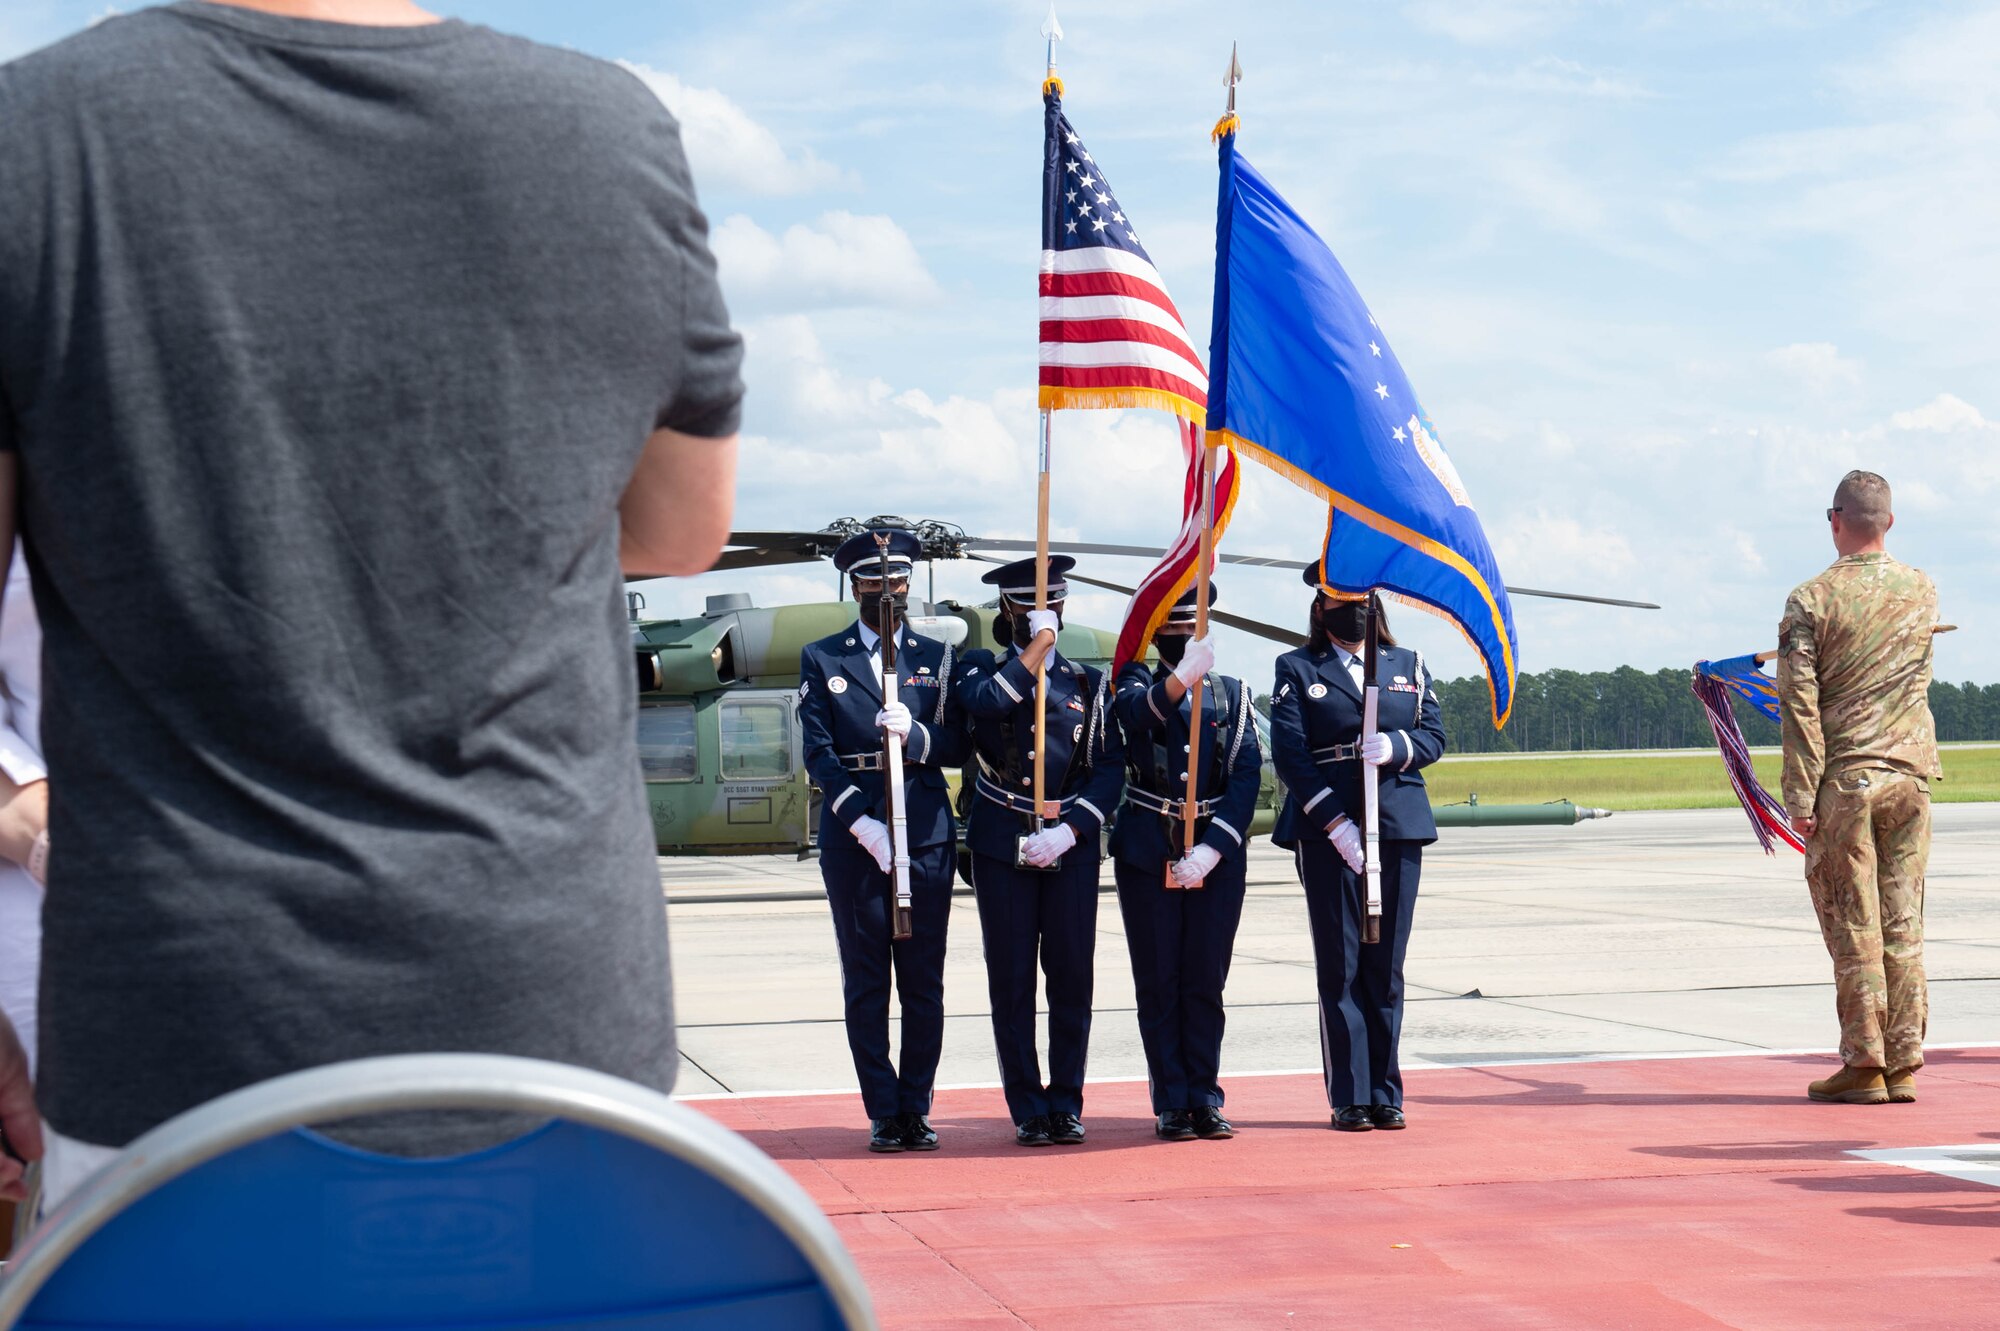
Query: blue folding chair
[(626, 1212)]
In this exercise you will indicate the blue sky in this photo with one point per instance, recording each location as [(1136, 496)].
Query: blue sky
[(1661, 273)]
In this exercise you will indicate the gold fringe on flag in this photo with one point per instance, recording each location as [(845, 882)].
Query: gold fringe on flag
[(1229, 124), (1054, 398), (1052, 84)]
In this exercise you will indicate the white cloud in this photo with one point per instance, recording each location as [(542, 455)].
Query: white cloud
[(1817, 365), (1944, 412), (729, 150), (843, 259)]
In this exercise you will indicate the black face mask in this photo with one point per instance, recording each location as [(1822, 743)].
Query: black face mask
[(1171, 647), (1015, 627), (871, 607), (1346, 621)]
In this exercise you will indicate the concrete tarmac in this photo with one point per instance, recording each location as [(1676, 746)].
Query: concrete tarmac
[(1646, 934)]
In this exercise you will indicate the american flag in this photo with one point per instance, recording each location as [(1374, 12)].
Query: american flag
[(1111, 336)]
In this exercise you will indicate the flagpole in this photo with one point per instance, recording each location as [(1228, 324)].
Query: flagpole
[(1042, 603), (1052, 33), (1204, 565)]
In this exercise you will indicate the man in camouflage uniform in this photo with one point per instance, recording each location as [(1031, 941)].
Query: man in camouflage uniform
[(1854, 673)]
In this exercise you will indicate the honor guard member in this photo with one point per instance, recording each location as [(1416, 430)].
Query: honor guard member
[(1317, 751), (1036, 883), (1181, 933), (844, 720)]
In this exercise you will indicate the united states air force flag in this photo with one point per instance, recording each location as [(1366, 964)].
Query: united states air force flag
[(1301, 377)]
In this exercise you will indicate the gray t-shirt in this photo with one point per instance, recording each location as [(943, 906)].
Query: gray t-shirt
[(327, 352)]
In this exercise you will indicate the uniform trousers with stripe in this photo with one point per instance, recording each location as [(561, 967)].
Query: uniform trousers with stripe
[(1181, 942), (1026, 916), (863, 900), (1360, 984)]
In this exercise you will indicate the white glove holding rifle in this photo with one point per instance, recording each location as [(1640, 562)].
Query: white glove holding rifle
[(1378, 750), (895, 718), (1045, 847), (1346, 839), (1196, 661), (1198, 865), (873, 834)]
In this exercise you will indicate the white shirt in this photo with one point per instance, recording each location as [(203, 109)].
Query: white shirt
[(1353, 664), (873, 642)]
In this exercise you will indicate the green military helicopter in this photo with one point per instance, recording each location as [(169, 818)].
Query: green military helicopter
[(719, 739)]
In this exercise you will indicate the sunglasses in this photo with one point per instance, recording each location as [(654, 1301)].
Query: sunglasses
[(1831, 511)]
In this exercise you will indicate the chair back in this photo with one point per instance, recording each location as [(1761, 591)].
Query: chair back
[(625, 1212)]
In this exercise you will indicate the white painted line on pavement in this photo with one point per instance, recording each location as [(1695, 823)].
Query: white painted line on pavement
[(1418, 1066)]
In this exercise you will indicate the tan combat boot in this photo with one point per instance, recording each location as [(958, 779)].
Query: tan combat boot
[(1902, 1083), (1851, 1086)]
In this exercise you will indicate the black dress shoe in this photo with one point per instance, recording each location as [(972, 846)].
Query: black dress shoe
[(918, 1135), (1354, 1118), (1387, 1117), (886, 1134), (1035, 1132), (1209, 1123), (1174, 1126), (1065, 1129)]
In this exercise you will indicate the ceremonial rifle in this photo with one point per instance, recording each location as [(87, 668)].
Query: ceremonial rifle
[(1371, 802), (892, 751)]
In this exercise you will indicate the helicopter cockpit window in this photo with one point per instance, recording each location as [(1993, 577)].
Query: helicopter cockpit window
[(756, 739), (666, 741)]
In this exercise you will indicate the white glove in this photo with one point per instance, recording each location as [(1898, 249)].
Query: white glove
[(1346, 839), (1038, 620), (1199, 864), (873, 834), (1377, 750), (1196, 662), (895, 718), (1045, 847)]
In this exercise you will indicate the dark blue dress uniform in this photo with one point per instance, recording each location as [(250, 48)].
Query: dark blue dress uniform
[(1315, 731), (1026, 912), (1181, 940), (840, 693)]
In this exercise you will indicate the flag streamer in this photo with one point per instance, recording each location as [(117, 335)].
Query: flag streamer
[(1713, 683)]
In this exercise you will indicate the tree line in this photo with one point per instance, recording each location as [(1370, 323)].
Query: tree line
[(1627, 708)]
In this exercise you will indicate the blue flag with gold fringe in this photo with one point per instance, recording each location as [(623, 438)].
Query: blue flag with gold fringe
[(1302, 379)]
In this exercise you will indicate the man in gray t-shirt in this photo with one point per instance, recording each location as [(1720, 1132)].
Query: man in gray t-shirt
[(331, 358)]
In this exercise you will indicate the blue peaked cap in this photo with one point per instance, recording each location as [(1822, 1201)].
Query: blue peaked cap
[(860, 557)]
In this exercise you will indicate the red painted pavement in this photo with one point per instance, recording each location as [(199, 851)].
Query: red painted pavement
[(1643, 1194)]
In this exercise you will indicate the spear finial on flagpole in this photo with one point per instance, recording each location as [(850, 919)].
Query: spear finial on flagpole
[(1229, 123), (1052, 30)]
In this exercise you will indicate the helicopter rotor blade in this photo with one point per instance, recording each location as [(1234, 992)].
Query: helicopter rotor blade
[(761, 557), (1263, 561), (761, 548), (1062, 547), (1289, 637)]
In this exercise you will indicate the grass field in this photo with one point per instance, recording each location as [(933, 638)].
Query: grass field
[(1668, 780)]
